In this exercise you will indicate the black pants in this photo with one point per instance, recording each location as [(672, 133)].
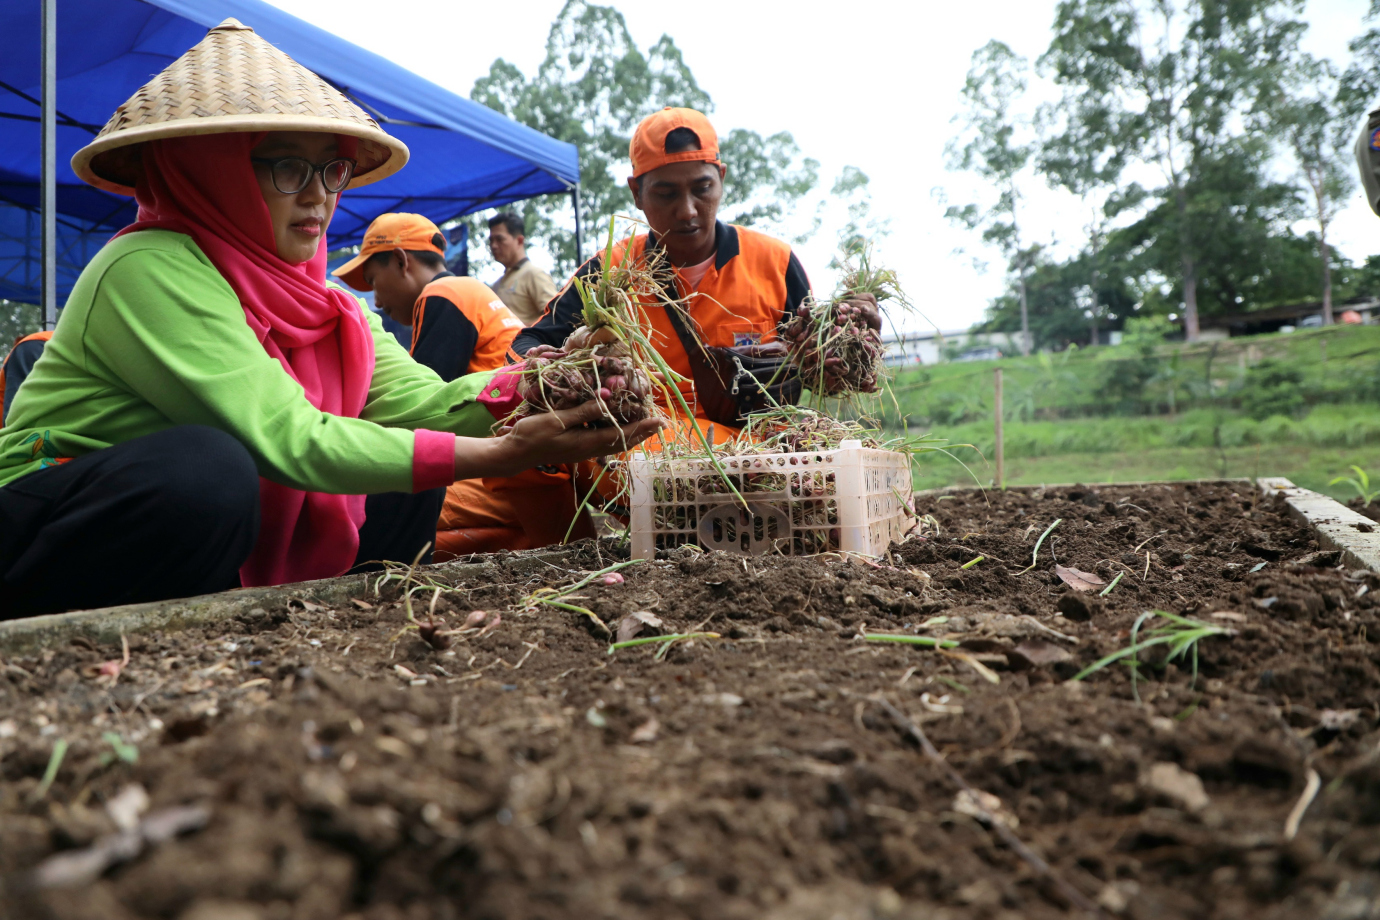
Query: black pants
[(172, 514)]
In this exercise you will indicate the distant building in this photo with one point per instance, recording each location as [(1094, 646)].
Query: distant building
[(907, 349), (1273, 319)]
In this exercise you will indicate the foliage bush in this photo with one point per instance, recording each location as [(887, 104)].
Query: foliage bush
[(955, 408), (1231, 385), (1350, 426), (1272, 388), (1133, 365)]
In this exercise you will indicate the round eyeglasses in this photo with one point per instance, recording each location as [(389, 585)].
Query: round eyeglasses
[(292, 174)]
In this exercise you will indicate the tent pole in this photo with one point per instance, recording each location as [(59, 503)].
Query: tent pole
[(48, 178), (579, 241)]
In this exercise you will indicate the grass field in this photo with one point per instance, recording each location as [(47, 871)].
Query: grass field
[(1337, 365), (1060, 429), (1310, 467)]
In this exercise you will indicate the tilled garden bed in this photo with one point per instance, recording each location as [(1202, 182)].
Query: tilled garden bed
[(309, 762)]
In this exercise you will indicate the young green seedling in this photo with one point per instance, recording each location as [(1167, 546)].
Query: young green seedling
[(1035, 556), (552, 597), (1180, 634), (120, 749), (926, 641), (1361, 483), (51, 772), (1108, 590), (665, 641)]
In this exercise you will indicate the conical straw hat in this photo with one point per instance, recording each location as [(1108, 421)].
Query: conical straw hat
[(231, 81)]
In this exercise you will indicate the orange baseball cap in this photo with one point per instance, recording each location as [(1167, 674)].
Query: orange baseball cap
[(648, 147), (412, 232)]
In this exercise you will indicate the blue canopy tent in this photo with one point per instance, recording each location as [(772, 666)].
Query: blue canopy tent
[(465, 156)]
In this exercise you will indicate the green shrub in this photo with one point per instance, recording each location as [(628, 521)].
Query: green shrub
[(956, 408), (1272, 389)]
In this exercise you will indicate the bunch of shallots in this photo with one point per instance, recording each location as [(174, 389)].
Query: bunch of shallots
[(593, 364), (837, 352)]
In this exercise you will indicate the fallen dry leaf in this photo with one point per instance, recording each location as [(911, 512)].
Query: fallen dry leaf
[(1041, 653), (362, 605), (646, 732), (984, 807), (128, 806), (73, 868), (940, 705), (635, 623), (391, 745), (1170, 781), (1338, 720), (1077, 580), (724, 699)]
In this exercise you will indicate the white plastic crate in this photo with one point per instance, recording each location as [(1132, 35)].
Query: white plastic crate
[(853, 499)]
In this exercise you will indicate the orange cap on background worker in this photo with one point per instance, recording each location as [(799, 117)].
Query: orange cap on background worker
[(647, 150), (400, 230)]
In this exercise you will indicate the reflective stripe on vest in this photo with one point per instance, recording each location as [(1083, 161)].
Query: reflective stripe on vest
[(494, 323), (738, 304)]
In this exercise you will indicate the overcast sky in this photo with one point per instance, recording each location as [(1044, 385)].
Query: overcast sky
[(866, 83)]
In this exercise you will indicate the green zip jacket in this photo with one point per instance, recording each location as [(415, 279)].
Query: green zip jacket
[(153, 337)]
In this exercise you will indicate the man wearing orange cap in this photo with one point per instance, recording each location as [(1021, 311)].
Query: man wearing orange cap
[(738, 284), (459, 326)]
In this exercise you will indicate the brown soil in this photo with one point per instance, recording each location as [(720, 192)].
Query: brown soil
[(529, 774), (1371, 510)]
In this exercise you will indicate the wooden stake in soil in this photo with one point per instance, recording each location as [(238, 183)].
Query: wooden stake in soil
[(1000, 451)]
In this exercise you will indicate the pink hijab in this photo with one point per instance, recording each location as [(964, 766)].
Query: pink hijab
[(205, 187)]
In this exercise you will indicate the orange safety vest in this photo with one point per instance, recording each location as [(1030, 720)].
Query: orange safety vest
[(740, 301), (495, 324), (31, 337)]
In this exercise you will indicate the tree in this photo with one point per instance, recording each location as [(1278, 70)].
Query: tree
[(996, 77), (1318, 123), (1174, 87), (853, 189), (1058, 296), (1245, 255), (592, 89), (1089, 174), (17, 319), (1360, 83), (1131, 367)]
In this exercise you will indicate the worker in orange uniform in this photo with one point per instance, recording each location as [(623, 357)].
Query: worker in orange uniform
[(17, 365), (739, 285), (459, 326)]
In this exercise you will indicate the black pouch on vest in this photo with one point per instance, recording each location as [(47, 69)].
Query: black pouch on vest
[(730, 383)]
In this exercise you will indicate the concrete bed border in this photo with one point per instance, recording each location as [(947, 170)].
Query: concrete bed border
[(105, 625), (1337, 528)]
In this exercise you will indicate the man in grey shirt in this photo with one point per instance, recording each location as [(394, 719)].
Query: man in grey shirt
[(524, 288)]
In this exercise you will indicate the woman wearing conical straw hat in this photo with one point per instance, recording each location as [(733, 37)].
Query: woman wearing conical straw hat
[(209, 413)]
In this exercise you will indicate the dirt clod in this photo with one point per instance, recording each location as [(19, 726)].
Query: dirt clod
[(1078, 607), (339, 766)]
